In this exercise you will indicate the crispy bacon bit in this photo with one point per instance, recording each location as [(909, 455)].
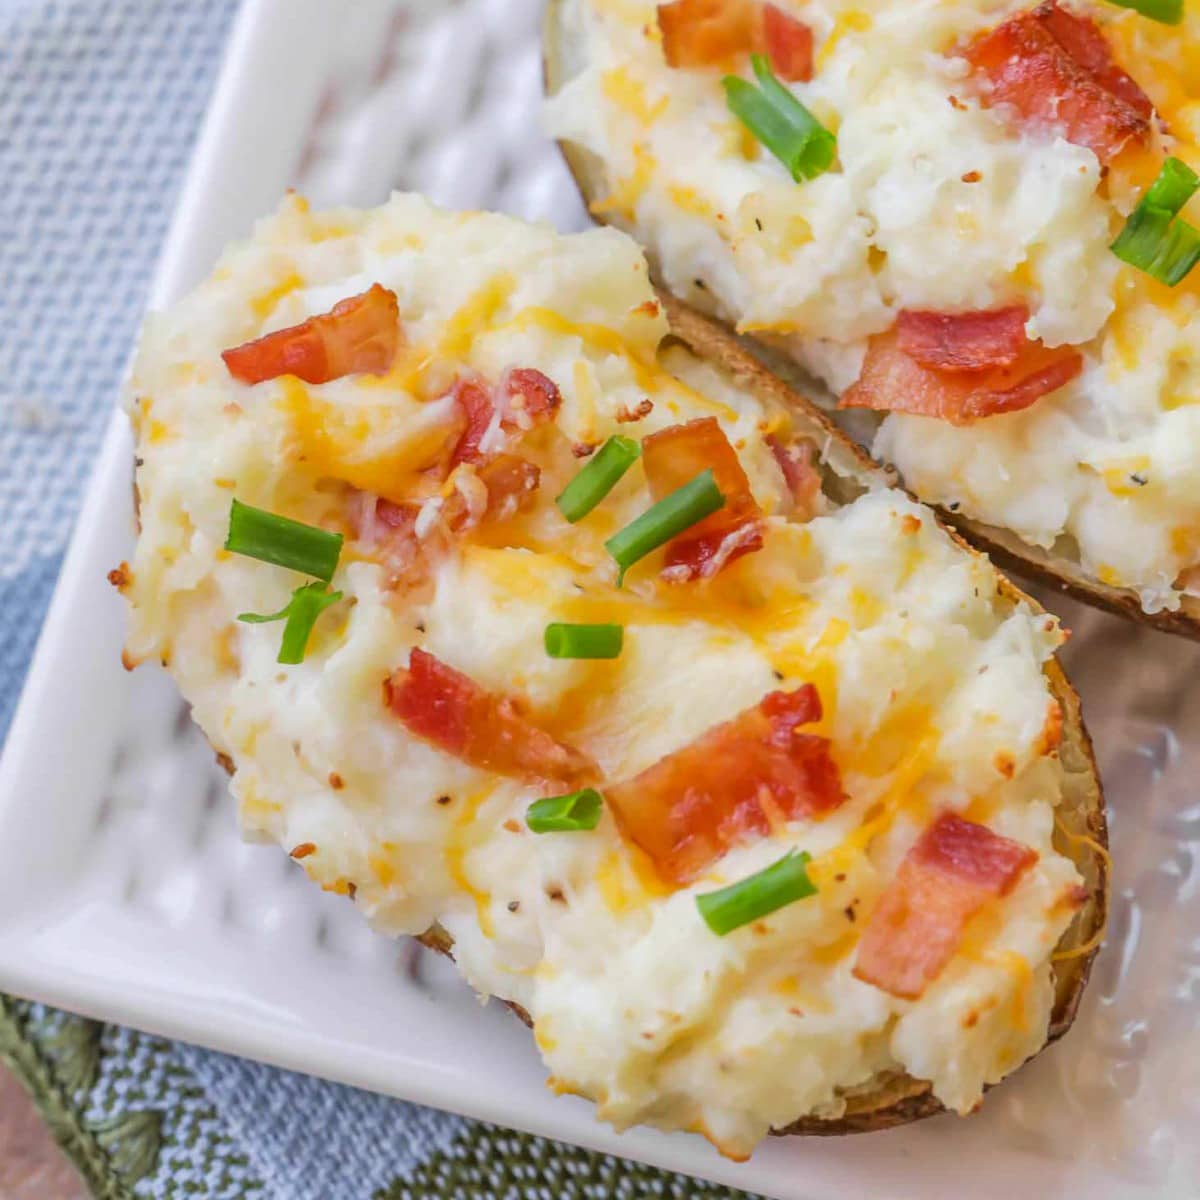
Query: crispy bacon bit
[(970, 341), (445, 707), (527, 398), (120, 576), (583, 449), (892, 381), (748, 776), (626, 416), (304, 850), (706, 33), (532, 397), (474, 404), (508, 483), (1055, 69), (675, 456), (336, 781), (948, 875), (393, 529), (719, 33), (795, 460), (360, 335), (1085, 42), (789, 45)]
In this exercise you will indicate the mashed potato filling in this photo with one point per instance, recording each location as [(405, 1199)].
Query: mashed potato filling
[(936, 203), (931, 682)]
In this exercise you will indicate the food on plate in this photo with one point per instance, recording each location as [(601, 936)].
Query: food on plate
[(547, 625), (971, 220)]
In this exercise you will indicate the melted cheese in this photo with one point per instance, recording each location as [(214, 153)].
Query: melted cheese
[(926, 675), (935, 203)]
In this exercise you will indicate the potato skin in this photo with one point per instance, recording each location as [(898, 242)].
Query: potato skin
[(560, 60), (897, 1098)]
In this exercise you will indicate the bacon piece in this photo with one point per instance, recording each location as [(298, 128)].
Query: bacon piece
[(892, 381), (1085, 42), (971, 341), (498, 488), (1056, 69), (527, 398), (789, 45), (675, 456), (706, 33), (474, 403), (532, 398), (720, 33), (449, 709), (795, 460), (948, 875), (745, 777), (360, 335)]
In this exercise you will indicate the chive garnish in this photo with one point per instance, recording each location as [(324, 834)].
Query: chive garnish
[(584, 641), (1155, 239), (780, 884), (659, 524), (1166, 12), (574, 813), (300, 613), (282, 541), (777, 119), (598, 477)]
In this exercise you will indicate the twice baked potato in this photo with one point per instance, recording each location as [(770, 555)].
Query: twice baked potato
[(533, 615), (954, 239)]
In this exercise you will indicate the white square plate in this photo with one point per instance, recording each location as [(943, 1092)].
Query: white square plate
[(126, 894)]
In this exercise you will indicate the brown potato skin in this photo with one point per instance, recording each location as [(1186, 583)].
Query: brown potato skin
[(1008, 550), (897, 1099)]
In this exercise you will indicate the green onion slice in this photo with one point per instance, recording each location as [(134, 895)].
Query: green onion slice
[(584, 641), (300, 613), (1176, 184), (598, 477), (566, 814), (781, 122), (1168, 12), (673, 514), (780, 884), (1155, 238), (282, 541)]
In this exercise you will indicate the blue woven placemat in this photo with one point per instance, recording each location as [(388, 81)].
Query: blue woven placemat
[(100, 102)]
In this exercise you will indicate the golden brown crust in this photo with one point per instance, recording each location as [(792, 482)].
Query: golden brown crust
[(560, 62)]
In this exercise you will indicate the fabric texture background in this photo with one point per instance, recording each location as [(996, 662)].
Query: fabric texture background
[(100, 103)]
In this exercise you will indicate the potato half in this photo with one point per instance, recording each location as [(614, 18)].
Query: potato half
[(1082, 831), (564, 56)]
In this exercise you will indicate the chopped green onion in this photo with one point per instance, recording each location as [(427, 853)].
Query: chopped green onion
[(781, 122), (660, 523), (284, 542), (301, 613), (598, 478), (1169, 12), (566, 814), (584, 641), (1155, 238), (782, 883), (1176, 184)]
